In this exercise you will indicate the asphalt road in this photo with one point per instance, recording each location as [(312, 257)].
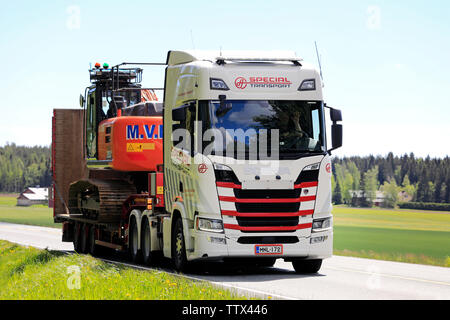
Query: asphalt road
[(339, 278)]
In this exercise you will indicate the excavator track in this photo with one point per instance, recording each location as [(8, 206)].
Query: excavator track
[(99, 200)]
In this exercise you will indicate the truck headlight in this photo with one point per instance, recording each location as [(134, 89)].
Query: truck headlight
[(321, 224), (314, 166), (224, 173), (210, 225)]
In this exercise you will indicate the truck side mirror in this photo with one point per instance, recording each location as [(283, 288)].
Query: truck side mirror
[(336, 136), (179, 114), (81, 101), (336, 129), (335, 115)]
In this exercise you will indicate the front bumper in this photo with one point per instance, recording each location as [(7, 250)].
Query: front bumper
[(208, 246)]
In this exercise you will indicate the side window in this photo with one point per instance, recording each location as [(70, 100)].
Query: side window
[(315, 124), (91, 123), (184, 138)]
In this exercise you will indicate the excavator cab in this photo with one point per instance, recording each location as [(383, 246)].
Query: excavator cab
[(112, 89)]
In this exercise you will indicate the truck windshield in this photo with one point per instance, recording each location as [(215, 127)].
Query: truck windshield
[(295, 127)]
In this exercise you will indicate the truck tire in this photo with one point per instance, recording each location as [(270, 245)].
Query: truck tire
[(146, 247), (93, 248), (307, 266), (135, 254), (179, 259), (84, 246), (77, 237)]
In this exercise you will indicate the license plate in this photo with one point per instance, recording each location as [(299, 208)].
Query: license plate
[(269, 249)]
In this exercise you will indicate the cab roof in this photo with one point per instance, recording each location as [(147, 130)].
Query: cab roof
[(186, 56)]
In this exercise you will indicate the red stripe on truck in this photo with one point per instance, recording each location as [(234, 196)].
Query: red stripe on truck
[(284, 228), (264, 200)]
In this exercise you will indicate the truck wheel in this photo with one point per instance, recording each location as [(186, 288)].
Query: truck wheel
[(307, 266), (179, 259), (93, 248), (77, 237), (133, 241), (146, 243), (84, 238)]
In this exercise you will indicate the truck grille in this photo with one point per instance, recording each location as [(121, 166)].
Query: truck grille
[(264, 210)]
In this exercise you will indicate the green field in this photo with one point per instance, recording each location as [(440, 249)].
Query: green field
[(29, 273), (38, 215), (399, 235)]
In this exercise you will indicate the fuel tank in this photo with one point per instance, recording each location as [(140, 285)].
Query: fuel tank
[(131, 143)]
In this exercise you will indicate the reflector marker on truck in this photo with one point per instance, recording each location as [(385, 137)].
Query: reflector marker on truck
[(228, 185), (306, 185), (289, 228), (274, 200), (267, 214)]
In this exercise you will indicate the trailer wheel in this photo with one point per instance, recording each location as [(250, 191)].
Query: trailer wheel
[(307, 266), (146, 247), (179, 259), (93, 248), (77, 237), (84, 238), (133, 241)]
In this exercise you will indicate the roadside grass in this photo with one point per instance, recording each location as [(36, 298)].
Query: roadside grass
[(37, 215), (29, 273), (411, 236)]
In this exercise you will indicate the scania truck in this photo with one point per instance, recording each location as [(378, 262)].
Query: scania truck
[(232, 165)]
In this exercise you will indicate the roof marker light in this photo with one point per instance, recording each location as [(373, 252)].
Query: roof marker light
[(218, 84), (97, 65), (308, 85), (106, 66)]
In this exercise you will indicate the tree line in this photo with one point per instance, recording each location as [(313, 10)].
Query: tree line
[(356, 180), (22, 167)]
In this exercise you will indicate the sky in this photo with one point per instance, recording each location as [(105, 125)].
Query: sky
[(385, 63)]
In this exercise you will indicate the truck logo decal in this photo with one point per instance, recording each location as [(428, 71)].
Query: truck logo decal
[(262, 82), (240, 83), (202, 168), (148, 132)]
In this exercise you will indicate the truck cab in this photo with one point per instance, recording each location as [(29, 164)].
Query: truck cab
[(247, 172)]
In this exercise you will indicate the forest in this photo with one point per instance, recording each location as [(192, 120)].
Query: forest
[(356, 181), (418, 180), (22, 167)]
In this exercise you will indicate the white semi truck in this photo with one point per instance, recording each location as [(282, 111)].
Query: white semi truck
[(246, 173)]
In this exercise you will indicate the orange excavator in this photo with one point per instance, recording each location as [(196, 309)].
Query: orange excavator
[(103, 154)]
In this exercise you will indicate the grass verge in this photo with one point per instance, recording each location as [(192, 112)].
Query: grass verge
[(29, 273)]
